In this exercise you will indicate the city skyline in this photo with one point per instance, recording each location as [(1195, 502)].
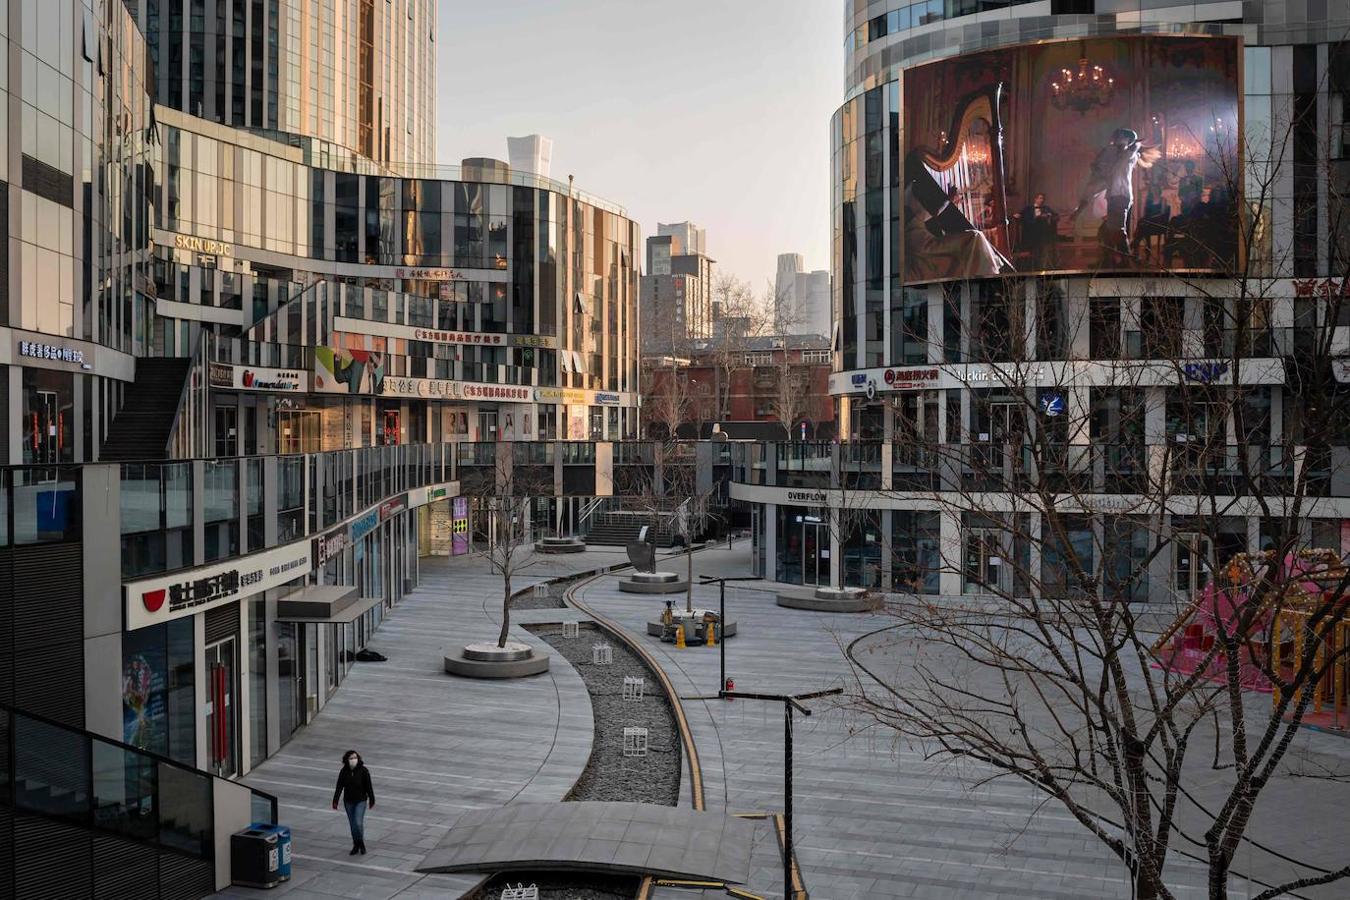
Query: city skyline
[(648, 97)]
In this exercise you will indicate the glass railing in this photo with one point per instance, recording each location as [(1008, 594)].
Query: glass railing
[(65, 773), (158, 514), (1100, 468)]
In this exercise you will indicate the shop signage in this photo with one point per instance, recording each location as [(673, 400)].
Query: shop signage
[(859, 379), (155, 600), (440, 389), (1052, 405), (903, 379), (1326, 287), (255, 378), (607, 399), (364, 524), (391, 508), (195, 244), (439, 493), (1205, 372), (351, 325), (816, 498), (327, 546), (562, 395), (54, 352), (430, 274), (509, 393), (459, 337)]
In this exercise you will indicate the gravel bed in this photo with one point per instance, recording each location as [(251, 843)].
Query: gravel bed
[(541, 596), (563, 887), (609, 775)]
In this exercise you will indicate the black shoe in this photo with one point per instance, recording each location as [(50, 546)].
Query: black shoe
[(362, 847), (356, 848)]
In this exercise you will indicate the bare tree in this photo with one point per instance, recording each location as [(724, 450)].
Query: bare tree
[(742, 318), (507, 489), (1139, 555), (791, 396)]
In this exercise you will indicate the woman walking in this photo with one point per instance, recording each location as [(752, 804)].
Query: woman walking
[(353, 787)]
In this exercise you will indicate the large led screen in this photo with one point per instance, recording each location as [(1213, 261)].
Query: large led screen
[(1112, 154)]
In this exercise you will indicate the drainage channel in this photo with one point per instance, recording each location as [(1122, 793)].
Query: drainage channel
[(609, 774)]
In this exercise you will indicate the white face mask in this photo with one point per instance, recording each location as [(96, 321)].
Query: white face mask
[(352, 761)]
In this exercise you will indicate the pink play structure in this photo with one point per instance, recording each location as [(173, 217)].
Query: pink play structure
[(1299, 589)]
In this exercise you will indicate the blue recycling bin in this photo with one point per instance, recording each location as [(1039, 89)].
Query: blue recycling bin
[(283, 835)]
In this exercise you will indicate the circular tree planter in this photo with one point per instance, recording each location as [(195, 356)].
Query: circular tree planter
[(656, 628), (828, 599), (653, 583), (560, 545), (487, 660)]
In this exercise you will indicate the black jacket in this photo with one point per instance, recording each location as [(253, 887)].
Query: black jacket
[(353, 785)]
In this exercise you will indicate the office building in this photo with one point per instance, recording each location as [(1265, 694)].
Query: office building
[(801, 299), (677, 289), (532, 154)]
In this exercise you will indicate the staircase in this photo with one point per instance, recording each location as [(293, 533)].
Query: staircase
[(82, 815), (618, 529), (149, 407)]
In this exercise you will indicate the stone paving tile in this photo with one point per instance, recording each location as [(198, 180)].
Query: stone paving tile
[(437, 746), (872, 819)]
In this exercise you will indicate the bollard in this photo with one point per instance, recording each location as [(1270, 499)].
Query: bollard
[(679, 637), (711, 629)]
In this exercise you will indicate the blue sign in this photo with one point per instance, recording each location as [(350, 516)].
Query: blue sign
[(1205, 373), (1052, 405), (365, 525), (860, 379)]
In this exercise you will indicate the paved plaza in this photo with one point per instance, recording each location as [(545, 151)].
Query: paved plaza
[(873, 817)]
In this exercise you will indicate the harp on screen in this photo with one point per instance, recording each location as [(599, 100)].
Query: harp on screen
[(961, 185)]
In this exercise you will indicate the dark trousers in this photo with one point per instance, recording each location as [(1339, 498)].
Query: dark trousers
[(1115, 229)]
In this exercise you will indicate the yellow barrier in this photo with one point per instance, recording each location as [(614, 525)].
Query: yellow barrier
[(679, 637)]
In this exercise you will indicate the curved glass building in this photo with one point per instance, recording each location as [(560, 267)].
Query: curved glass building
[(1088, 257)]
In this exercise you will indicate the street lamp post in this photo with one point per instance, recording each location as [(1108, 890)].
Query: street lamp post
[(722, 621), (790, 702)]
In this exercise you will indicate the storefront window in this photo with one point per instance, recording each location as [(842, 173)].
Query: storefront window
[(257, 680), (916, 561)]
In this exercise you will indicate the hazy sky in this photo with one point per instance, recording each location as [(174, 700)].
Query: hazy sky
[(714, 111)]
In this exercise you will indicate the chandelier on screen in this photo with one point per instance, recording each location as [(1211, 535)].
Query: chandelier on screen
[(1085, 89)]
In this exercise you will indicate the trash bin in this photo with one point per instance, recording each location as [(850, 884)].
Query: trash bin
[(283, 834), (255, 858)]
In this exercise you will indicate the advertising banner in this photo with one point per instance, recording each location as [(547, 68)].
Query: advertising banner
[(459, 528), (1105, 154), (340, 370)]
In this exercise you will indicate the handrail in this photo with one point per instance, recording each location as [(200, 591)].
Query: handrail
[(195, 365), (13, 714)]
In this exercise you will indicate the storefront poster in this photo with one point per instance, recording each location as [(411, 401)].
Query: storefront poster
[(459, 527), (144, 722), (1105, 154), (340, 370)]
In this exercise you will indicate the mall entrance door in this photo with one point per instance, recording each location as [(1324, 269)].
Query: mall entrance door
[(1191, 563), (815, 552), (222, 708), (986, 569)]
